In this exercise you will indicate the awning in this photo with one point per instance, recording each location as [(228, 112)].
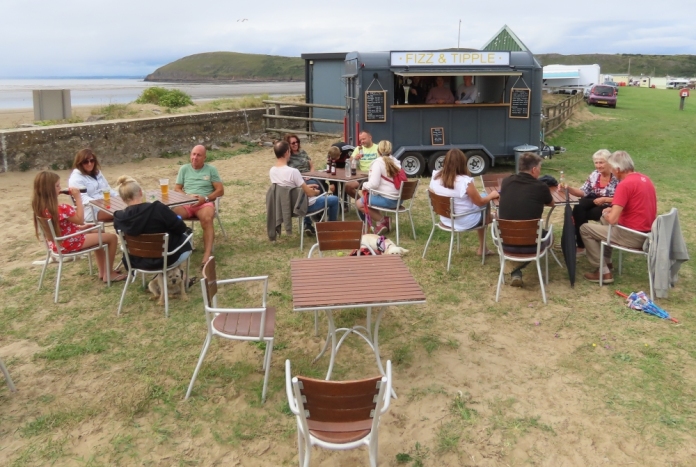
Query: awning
[(450, 72)]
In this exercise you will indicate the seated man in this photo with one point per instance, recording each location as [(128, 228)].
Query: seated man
[(634, 206), (369, 155), (283, 175), (203, 181), (466, 92), (441, 93), (523, 197)]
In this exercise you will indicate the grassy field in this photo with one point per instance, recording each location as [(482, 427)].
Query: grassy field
[(580, 381)]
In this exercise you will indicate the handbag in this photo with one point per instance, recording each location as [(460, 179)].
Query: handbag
[(398, 179)]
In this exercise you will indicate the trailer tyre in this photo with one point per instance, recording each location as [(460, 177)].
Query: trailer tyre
[(477, 161), (413, 163), (436, 160)]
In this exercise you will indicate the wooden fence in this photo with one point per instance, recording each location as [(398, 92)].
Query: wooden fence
[(556, 115), (274, 119)]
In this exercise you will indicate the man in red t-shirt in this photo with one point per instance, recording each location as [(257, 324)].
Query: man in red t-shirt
[(634, 207)]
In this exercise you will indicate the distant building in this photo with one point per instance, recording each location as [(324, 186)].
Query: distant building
[(505, 39)]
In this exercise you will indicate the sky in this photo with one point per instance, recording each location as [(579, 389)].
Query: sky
[(133, 38)]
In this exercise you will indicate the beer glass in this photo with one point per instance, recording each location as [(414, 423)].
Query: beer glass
[(107, 196), (164, 186)]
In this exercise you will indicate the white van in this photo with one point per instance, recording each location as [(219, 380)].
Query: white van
[(677, 83)]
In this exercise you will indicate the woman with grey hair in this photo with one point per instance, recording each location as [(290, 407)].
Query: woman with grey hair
[(595, 194)]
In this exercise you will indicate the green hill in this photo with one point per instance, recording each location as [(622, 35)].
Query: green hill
[(230, 66), (651, 65)]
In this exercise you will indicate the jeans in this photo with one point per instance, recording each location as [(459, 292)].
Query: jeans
[(332, 203)]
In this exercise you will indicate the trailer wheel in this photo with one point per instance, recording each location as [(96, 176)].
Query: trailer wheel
[(477, 161), (413, 163), (436, 160)]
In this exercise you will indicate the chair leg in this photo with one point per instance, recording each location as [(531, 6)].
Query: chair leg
[(500, 277), (166, 295), (267, 367), (650, 280), (601, 262), (204, 351), (60, 269), (125, 288), (8, 378), (373, 448), (428, 242), (485, 249), (541, 279), (449, 256), (620, 261), (413, 227), (224, 234), (301, 229), (43, 269), (396, 215), (89, 260), (316, 323)]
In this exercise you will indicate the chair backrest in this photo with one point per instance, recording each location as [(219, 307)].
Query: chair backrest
[(441, 205), (339, 235), (408, 189), (519, 233), (209, 281), (147, 245), (45, 225), (340, 401)]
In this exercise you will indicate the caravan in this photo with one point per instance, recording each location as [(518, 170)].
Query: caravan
[(677, 83)]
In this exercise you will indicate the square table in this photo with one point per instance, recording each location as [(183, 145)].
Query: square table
[(341, 178), (173, 199), (314, 287)]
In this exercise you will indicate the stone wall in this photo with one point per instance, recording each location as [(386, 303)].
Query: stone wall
[(53, 148)]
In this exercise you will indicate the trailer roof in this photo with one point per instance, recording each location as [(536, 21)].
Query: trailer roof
[(460, 72)]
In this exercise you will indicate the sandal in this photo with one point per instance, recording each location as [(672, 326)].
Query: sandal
[(191, 281), (119, 278)]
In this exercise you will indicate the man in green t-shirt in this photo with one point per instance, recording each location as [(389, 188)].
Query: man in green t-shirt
[(369, 151), (203, 181)]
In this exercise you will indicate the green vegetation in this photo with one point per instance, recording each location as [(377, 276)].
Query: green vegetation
[(651, 65), (170, 98), (231, 66)]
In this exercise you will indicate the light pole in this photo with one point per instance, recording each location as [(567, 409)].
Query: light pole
[(459, 35)]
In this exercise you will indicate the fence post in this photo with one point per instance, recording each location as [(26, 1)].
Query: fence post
[(277, 121)]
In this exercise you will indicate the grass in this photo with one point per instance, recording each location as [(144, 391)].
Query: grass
[(474, 377)]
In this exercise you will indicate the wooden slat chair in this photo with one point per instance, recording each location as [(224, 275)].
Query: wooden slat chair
[(8, 378), (194, 220), (513, 240), (45, 224), (333, 236), (407, 193), (149, 246), (242, 324), (444, 206), (337, 415)]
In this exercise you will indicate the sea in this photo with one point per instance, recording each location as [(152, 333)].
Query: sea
[(17, 93)]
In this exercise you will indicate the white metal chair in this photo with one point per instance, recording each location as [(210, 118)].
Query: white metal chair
[(407, 193), (339, 235), (513, 240), (444, 206), (193, 220), (337, 415), (149, 246), (639, 251), (8, 378), (45, 224), (243, 324)]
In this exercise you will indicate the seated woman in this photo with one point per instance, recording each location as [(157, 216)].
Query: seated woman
[(454, 181), (147, 218), (596, 194), (87, 173), (68, 220), (381, 178)]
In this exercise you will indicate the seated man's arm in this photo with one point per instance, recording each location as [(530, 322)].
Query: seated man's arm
[(179, 188), (310, 190), (219, 190), (612, 214)]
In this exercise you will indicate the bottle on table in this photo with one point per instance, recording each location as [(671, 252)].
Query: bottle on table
[(353, 167), (333, 167), (328, 164), (561, 179)]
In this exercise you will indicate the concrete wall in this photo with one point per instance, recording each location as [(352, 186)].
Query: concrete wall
[(116, 142)]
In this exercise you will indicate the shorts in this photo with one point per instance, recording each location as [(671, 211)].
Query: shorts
[(191, 209), (383, 202)]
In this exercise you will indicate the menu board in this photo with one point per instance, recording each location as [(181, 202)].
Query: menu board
[(519, 102), (437, 136), (375, 106)]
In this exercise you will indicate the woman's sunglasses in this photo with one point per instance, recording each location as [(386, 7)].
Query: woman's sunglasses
[(88, 161)]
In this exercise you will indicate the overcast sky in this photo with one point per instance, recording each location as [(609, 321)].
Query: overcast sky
[(133, 38)]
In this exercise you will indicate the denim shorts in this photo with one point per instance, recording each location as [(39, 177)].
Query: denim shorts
[(382, 202)]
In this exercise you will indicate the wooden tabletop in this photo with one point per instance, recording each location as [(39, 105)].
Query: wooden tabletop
[(559, 196), (173, 199), (320, 283), (340, 175)]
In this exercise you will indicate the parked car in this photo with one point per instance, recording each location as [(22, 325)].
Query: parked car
[(614, 84), (586, 91), (602, 94)]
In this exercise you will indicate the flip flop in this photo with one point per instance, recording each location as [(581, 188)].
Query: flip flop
[(119, 278), (191, 281), (488, 253)]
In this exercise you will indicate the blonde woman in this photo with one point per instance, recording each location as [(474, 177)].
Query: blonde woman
[(381, 178)]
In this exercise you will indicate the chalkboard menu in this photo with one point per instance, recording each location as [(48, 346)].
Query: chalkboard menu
[(375, 106), (437, 136), (519, 102)]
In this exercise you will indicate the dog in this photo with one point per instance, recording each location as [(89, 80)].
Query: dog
[(176, 285), (379, 243)]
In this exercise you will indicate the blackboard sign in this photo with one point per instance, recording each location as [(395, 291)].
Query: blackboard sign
[(519, 102), (375, 106), (437, 136)]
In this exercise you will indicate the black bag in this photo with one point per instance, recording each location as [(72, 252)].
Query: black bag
[(548, 180)]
